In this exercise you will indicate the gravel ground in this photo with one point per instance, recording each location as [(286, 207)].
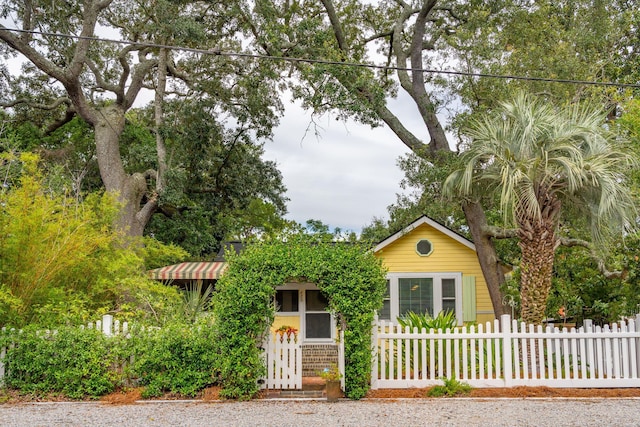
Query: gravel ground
[(410, 412)]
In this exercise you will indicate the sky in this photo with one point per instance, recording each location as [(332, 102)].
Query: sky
[(345, 176)]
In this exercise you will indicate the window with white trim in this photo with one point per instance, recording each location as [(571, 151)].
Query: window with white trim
[(385, 311), (420, 292)]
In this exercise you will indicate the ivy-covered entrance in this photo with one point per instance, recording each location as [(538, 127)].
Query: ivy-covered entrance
[(347, 276)]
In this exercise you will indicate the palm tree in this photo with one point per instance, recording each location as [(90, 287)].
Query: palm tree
[(539, 159)]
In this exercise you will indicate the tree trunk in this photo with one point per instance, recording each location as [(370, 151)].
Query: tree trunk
[(537, 243), (130, 189), (487, 256)]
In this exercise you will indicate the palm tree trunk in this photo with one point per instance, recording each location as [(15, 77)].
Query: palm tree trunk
[(537, 243)]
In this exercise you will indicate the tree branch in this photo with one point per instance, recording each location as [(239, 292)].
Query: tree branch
[(89, 20), (68, 116), (499, 233), (32, 55), (137, 81), (335, 24), (55, 104), (175, 72), (102, 84), (588, 245)]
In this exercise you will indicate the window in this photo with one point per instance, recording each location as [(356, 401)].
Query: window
[(422, 292), (416, 295), (317, 319), (424, 247), (287, 301), (449, 295), (385, 311)]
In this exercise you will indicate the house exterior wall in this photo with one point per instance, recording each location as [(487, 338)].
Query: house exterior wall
[(286, 320), (447, 256)]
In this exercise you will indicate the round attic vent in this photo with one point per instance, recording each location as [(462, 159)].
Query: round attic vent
[(424, 247)]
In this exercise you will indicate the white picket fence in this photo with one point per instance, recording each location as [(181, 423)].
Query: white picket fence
[(282, 354), (507, 354)]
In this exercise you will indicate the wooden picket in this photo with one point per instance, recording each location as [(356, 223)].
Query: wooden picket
[(282, 354), (506, 353)]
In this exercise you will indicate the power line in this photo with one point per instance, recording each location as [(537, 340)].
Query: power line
[(325, 62)]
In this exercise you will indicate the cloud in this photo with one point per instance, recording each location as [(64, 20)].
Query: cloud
[(344, 176)]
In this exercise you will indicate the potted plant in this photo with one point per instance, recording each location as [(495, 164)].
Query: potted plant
[(332, 378)]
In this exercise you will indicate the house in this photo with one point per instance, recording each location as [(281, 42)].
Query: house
[(432, 268)]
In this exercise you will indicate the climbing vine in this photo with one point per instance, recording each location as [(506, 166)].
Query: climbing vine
[(349, 276)]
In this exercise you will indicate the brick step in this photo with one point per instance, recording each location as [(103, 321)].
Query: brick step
[(291, 394), (316, 357)]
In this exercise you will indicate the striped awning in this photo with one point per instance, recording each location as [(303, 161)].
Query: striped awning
[(189, 271)]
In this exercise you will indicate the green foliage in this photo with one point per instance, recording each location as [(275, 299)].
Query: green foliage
[(450, 388), (157, 254), (218, 185), (330, 374), (196, 301), (61, 261), (176, 358), (51, 247), (348, 274), (72, 361), (443, 321), (146, 301)]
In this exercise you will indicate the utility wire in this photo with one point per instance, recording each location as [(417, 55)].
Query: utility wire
[(323, 61)]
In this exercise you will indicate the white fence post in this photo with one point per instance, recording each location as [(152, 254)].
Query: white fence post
[(107, 325), (507, 356), (3, 354), (375, 353), (637, 347), (340, 359)]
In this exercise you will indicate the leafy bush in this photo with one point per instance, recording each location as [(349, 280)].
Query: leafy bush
[(61, 261), (444, 320), (450, 388), (352, 279), (75, 362), (178, 358)]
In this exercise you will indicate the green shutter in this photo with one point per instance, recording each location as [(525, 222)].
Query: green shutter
[(469, 298)]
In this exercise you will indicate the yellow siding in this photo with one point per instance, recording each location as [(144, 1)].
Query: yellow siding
[(286, 321), (448, 256)]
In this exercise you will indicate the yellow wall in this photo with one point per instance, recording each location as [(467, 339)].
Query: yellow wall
[(286, 321), (448, 256)]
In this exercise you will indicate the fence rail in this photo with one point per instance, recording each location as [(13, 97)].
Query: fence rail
[(506, 354)]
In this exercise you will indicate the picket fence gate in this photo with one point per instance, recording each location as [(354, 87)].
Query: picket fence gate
[(507, 354), (282, 353)]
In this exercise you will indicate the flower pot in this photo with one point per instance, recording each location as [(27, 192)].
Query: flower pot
[(333, 390)]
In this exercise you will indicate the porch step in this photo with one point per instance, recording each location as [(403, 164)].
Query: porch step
[(312, 383), (309, 394)]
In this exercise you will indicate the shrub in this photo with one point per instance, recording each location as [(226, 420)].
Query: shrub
[(178, 358), (350, 277), (450, 388), (72, 361), (444, 320)]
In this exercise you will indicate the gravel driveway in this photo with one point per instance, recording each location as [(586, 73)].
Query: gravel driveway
[(410, 412)]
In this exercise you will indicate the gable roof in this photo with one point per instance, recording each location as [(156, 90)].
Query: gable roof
[(430, 222)]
